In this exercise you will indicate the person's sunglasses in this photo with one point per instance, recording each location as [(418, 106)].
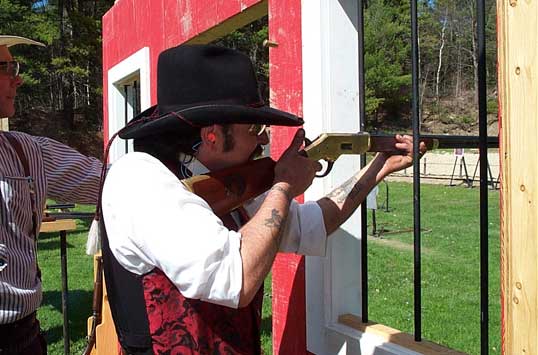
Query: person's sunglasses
[(256, 129), (10, 68)]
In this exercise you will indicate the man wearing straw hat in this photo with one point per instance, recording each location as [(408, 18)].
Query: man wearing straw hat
[(180, 279), (31, 169)]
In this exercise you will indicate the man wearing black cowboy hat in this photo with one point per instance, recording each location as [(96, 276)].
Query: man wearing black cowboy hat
[(179, 278), (32, 169)]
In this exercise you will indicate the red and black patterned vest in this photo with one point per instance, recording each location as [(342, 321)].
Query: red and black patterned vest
[(152, 317)]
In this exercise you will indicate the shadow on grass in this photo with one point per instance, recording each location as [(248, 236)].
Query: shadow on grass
[(53, 244), (79, 309), (267, 325)]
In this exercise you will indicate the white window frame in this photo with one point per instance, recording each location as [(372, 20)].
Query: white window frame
[(136, 65)]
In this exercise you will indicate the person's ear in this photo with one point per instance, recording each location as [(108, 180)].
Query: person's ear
[(209, 136)]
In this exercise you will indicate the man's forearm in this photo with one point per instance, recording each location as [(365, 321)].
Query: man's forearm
[(261, 240), (340, 204)]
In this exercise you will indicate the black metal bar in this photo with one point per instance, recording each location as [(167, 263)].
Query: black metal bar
[(126, 113), (416, 172), (451, 142), (59, 206), (71, 215), (387, 196), (63, 265), (136, 104), (482, 128), (362, 115)]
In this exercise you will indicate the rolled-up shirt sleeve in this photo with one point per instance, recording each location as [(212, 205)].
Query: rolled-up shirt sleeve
[(152, 220), (304, 232)]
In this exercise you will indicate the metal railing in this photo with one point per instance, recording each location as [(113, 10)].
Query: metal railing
[(482, 145)]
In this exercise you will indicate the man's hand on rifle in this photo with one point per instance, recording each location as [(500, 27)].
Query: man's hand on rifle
[(401, 158), (294, 169)]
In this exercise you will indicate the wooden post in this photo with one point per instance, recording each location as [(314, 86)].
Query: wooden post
[(518, 102)]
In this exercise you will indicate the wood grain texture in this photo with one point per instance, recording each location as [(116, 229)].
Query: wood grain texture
[(59, 225), (518, 102), (106, 342), (395, 336)]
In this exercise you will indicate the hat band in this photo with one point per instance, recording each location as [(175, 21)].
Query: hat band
[(165, 109)]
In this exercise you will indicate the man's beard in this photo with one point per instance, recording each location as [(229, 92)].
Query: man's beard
[(257, 153)]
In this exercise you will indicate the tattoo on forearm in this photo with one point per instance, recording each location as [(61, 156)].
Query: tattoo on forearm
[(282, 190), (275, 221), (349, 189)]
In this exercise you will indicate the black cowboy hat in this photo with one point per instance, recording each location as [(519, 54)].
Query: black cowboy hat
[(201, 85)]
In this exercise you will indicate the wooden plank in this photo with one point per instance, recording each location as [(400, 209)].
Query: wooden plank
[(518, 102), (395, 336), (59, 225), (107, 341)]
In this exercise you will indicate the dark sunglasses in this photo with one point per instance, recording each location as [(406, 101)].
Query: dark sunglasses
[(10, 68)]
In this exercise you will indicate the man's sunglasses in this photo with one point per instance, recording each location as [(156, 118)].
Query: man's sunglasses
[(10, 68), (256, 129)]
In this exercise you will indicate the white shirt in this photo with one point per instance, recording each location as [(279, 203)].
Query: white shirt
[(152, 220)]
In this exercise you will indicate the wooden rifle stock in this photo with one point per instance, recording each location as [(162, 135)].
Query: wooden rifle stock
[(225, 190), (96, 306)]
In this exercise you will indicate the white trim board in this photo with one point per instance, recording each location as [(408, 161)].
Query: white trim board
[(138, 64)]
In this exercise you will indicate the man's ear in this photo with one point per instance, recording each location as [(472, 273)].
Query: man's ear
[(209, 136)]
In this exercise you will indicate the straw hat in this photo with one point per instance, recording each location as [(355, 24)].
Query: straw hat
[(8, 40)]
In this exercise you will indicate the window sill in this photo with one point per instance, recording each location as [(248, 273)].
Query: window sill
[(396, 337)]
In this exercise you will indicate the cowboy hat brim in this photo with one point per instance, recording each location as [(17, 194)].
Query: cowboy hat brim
[(7, 40), (188, 120)]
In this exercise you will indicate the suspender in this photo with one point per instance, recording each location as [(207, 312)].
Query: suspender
[(16, 145)]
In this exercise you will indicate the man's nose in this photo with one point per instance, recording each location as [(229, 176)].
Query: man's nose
[(17, 81)]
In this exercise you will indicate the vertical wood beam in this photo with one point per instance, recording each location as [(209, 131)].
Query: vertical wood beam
[(286, 93), (518, 104)]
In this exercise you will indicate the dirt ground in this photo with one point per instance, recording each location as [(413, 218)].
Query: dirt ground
[(444, 167)]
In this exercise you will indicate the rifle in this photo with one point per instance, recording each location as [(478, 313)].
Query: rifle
[(227, 189), (96, 305)]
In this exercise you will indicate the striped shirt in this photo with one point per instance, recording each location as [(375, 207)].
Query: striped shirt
[(59, 172)]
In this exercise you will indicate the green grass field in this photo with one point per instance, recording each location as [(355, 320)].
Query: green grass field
[(450, 265), (80, 284), (450, 272)]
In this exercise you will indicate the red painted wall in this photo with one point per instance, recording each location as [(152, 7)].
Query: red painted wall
[(158, 24), (285, 68)]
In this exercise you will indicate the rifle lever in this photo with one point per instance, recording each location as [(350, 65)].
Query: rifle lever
[(329, 162), (328, 170)]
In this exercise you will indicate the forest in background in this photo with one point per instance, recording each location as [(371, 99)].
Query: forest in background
[(62, 93)]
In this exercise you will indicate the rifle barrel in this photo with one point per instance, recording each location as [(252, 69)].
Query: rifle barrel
[(446, 141), (383, 142)]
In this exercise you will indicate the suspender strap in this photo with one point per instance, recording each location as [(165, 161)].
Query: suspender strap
[(16, 145), (20, 153)]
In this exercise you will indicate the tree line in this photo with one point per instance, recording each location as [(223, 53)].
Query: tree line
[(63, 82), (62, 91)]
